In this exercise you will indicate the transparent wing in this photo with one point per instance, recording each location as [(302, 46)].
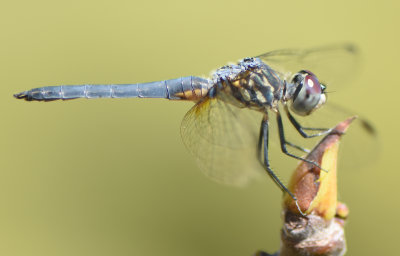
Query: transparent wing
[(360, 144), (333, 65), (223, 138)]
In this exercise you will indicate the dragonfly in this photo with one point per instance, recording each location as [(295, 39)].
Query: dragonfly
[(228, 128)]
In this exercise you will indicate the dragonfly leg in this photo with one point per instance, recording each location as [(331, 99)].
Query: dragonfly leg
[(283, 143), (302, 129), (263, 158), (305, 150)]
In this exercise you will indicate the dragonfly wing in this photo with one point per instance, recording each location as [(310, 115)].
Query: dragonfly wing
[(360, 144), (333, 65), (223, 138)]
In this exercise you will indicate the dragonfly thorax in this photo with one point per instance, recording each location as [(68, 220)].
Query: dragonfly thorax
[(251, 84)]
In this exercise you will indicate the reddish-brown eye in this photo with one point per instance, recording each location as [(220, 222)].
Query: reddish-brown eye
[(312, 84), (308, 95)]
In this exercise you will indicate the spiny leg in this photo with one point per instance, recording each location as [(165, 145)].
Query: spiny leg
[(283, 143), (263, 140), (302, 129), (258, 81), (305, 150)]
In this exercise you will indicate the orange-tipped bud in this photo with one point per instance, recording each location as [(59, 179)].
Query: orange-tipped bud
[(316, 189)]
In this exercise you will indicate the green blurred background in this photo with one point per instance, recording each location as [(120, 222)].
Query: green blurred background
[(112, 177)]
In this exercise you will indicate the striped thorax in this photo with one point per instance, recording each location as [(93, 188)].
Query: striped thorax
[(251, 83)]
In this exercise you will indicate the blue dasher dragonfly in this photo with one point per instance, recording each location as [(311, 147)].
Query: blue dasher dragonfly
[(219, 130)]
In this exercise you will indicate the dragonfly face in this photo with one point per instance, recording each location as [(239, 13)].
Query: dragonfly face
[(308, 93)]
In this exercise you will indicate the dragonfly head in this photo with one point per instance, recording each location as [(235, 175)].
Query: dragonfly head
[(308, 93)]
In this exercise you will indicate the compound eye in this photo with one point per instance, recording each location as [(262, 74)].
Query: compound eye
[(312, 85), (308, 95)]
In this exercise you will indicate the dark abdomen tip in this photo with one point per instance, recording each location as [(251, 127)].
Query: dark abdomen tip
[(22, 95)]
